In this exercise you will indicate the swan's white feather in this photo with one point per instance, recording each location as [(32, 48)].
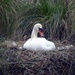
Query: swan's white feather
[(38, 43)]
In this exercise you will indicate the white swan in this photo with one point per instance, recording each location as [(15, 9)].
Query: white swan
[(38, 43)]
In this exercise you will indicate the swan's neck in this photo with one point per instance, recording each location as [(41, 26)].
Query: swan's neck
[(34, 34)]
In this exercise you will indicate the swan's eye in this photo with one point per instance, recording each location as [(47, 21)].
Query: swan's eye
[(40, 29)]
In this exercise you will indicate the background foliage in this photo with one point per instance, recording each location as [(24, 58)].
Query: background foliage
[(18, 17)]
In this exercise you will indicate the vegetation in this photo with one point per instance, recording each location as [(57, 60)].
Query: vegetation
[(72, 13), (10, 11), (7, 17), (17, 17), (18, 62), (47, 12)]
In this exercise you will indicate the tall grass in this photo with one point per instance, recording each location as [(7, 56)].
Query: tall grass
[(9, 16), (53, 11), (47, 12), (18, 17), (72, 14)]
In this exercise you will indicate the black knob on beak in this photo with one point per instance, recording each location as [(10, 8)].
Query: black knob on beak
[(41, 30)]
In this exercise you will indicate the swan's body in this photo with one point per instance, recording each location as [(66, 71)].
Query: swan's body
[(38, 43)]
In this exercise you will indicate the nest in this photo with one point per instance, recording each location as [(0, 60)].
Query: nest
[(58, 62)]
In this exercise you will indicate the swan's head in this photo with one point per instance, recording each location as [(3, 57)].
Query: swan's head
[(38, 28)]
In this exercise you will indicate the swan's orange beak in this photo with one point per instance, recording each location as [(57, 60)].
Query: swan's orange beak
[(41, 32)]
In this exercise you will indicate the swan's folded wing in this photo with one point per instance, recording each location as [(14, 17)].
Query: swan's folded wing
[(48, 45), (27, 44)]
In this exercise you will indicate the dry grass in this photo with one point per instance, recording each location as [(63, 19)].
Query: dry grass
[(58, 62)]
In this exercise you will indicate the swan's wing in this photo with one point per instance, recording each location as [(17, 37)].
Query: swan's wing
[(33, 44), (27, 44), (39, 44), (48, 45)]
